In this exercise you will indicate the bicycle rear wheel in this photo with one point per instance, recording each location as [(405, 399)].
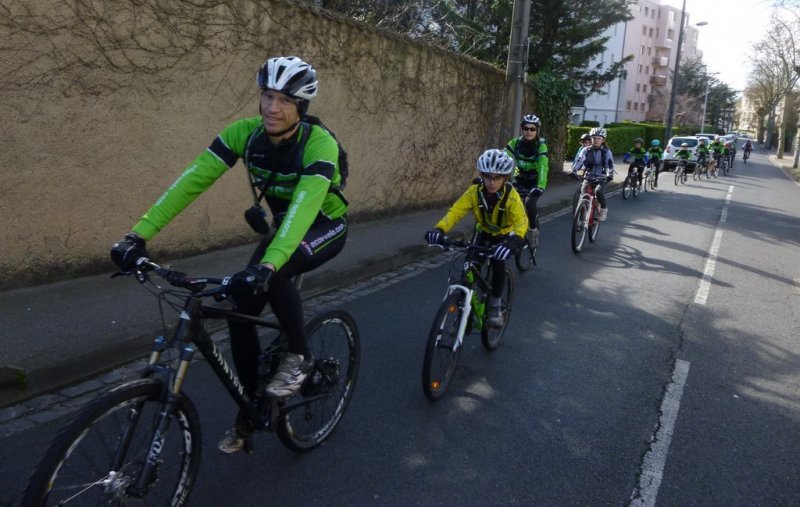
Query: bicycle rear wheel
[(490, 336), (336, 347), (442, 350), (578, 237), (99, 457)]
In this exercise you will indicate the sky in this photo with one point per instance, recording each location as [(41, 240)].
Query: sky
[(727, 40)]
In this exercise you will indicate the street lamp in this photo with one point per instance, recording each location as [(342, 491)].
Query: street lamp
[(670, 110)]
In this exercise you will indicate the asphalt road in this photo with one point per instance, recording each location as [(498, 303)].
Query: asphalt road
[(565, 411)]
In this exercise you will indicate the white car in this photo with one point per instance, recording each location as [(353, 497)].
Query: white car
[(674, 145)]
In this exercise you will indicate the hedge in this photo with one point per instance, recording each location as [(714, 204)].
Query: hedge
[(621, 135)]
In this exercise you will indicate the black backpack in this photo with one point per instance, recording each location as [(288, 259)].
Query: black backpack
[(344, 166)]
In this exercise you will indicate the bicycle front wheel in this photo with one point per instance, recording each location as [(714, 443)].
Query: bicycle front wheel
[(594, 223), (100, 458), (627, 187), (525, 257), (678, 174), (313, 415), (443, 347), (578, 237), (490, 336)]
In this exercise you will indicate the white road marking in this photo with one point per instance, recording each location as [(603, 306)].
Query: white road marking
[(704, 286), (652, 471)]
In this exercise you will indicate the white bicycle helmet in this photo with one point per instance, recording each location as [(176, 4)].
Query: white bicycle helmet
[(289, 75), (531, 118), (495, 162), (597, 131)]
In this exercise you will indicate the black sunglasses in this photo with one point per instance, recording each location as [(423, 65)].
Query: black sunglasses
[(529, 129)]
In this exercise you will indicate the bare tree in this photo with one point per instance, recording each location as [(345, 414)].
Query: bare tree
[(775, 73)]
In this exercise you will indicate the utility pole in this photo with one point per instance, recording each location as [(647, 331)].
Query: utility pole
[(515, 67), (668, 129)]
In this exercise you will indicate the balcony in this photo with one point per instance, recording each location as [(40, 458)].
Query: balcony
[(660, 61), (658, 80), (663, 43)]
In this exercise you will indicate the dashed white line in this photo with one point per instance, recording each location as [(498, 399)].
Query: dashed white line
[(656, 458), (704, 287)]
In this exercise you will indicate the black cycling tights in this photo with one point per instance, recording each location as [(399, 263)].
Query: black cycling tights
[(531, 210), (283, 297)]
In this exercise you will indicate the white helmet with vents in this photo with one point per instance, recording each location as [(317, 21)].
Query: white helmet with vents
[(289, 75), (495, 162)]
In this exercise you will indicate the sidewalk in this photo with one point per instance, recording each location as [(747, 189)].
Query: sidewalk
[(61, 333)]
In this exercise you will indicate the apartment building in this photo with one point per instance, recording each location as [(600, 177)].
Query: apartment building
[(652, 38)]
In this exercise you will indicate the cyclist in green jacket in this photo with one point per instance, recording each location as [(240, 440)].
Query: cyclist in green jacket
[(702, 153), (529, 152), (637, 153), (655, 153), (716, 148), (308, 212)]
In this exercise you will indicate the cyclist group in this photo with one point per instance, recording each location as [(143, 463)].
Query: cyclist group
[(295, 167)]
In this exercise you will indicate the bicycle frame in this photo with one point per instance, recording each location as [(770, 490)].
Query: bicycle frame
[(466, 286), (587, 193)]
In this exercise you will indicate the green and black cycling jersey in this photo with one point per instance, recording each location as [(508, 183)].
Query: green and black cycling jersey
[(656, 152), (637, 153), (531, 161), (702, 151), (717, 147), (298, 194)]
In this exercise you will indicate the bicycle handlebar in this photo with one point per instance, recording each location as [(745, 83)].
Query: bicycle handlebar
[(195, 285), (447, 243)]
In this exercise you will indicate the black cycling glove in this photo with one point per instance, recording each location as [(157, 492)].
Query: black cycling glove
[(434, 237), (125, 252), (252, 281)]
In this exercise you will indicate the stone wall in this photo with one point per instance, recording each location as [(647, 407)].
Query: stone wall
[(104, 103)]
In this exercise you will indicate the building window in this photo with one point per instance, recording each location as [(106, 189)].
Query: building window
[(656, 31), (642, 51), (635, 106), (637, 87), (644, 88), (644, 30), (640, 68), (651, 32), (654, 71), (649, 51), (642, 106), (670, 34), (628, 106), (647, 70)]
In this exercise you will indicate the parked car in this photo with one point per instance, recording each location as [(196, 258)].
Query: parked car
[(674, 145), (709, 137)]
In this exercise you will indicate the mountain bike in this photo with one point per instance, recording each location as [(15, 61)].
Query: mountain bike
[(680, 172), (631, 186), (462, 311), (729, 167), (700, 168), (724, 165), (745, 155), (525, 257), (713, 166), (140, 443), (585, 218)]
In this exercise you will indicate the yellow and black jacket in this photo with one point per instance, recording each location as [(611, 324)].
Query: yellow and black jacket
[(507, 216)]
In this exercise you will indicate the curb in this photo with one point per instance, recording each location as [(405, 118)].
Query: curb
[(22, 385)]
